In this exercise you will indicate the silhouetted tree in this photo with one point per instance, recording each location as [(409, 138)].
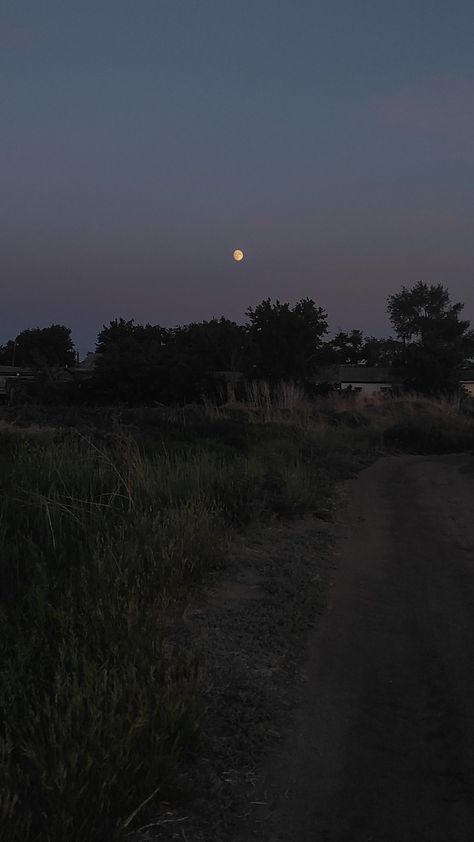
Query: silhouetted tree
[(219, 344), (436, 342), (6, 353), (121, 334), (130, 365), (343, 349), (284, 340), (40, 347), (148, 364), (382, 352)]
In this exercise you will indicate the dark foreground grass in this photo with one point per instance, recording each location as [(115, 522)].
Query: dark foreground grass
[(101, 533), (96, 709), (99, 538)]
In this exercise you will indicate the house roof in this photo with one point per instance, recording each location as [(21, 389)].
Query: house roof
[(357, 374), (89, 362), (13, 371), (366, 374), (373, 374)]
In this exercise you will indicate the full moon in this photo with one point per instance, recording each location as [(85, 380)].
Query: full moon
[(238, 255)]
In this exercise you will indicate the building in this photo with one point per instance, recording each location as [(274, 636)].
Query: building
[(361, 379), (87, 366), (13, 377), (466, 379), (370, 380)]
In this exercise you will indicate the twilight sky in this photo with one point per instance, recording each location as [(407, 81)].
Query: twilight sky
[(143, 140)]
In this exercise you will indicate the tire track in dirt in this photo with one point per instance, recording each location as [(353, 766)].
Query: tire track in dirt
[(383, 748)]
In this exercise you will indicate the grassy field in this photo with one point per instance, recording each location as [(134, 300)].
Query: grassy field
[(107, 520)]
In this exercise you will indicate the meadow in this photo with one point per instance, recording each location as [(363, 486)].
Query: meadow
[(108, 519)]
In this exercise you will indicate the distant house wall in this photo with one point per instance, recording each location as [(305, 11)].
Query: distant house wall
[(7, 372), (88, 364), (469, 387), (366, 381)]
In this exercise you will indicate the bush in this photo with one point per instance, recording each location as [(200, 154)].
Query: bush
[(348, 419), (419, 435)]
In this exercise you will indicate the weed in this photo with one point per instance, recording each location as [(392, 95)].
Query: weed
[(102, 529)]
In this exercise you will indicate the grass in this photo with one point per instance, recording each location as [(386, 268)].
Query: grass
[(98, 541), (96, 706), (103, 528)]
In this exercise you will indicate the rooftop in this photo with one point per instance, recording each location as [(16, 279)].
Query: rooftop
[(357, 374)]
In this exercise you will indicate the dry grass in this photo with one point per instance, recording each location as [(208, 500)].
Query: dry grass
[(288, 403), (96, 708), (98, 539), (100, 535)]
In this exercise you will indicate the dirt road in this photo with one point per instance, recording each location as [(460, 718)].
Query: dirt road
[(383, 750)]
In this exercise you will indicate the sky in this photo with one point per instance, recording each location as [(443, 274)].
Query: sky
[(142, 141)]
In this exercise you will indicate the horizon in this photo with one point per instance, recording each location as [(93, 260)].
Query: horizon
[(143, 146), (82, 350)]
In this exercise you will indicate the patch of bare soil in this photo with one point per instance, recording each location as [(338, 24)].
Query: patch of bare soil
[(249, 628), (340, 686), (382, 748)]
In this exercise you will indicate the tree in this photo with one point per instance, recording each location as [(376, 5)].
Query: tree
[(146, 364), (219, 343), (131, 365), (6, 353), (436, 342), (121, 334), (343, 349), (284, 340), (382, 352), (40, 348)]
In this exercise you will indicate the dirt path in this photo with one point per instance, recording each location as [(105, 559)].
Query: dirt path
[(383, 750)]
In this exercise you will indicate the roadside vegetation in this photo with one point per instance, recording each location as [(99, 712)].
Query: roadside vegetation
[(109, 521), (138, 365)]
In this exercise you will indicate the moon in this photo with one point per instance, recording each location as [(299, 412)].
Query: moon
[(238, 255)]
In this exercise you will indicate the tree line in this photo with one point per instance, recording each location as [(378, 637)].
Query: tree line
[(148, 363)]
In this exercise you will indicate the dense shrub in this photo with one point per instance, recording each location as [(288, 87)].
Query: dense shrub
[(420, 435)]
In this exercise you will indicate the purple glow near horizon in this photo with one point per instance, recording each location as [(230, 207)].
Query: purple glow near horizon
[(143, 143)]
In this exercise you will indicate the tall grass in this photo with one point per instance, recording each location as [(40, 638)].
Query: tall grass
[(96, 707), (99, 535), (97, 540), (408, 421), (273, 402)]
